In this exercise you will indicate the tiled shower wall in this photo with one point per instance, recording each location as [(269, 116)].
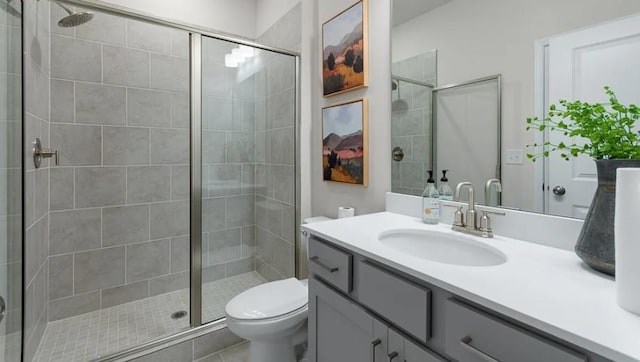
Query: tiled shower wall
[(11, 182), (37, 71), (411, 127), (275, 150), (119, 209), (228, 145)]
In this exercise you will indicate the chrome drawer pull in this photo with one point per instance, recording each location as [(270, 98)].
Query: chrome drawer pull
[(316, 260), (392, 356), (375, 344), (465, 343)]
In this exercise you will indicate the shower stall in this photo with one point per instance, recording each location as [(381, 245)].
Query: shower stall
[(166, 181)]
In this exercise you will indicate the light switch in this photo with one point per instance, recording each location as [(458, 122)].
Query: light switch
[(515, 157)]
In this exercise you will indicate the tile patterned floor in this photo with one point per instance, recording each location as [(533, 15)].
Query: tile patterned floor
[(87, 336)]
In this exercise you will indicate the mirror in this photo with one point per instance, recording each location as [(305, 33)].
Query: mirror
[(537, 52)]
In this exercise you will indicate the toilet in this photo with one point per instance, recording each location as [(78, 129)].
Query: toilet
[(272, 316)]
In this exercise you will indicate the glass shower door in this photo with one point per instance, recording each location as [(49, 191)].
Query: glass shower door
[(10, 183), (248, 170)]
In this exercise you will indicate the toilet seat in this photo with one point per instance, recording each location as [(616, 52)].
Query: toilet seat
[(268, 301)]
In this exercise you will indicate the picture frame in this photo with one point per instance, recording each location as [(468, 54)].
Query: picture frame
[(345, 146), (345, 50)]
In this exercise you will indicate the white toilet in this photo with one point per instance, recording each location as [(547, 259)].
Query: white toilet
[(272, 316)]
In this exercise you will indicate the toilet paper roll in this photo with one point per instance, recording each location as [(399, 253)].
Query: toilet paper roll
[(346, 211), (627, 229)]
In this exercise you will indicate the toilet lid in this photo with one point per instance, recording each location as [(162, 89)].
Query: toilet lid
[(268, 300)]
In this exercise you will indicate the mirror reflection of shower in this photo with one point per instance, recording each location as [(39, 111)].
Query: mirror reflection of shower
[(10, 9), (74, 18), (398, 103)]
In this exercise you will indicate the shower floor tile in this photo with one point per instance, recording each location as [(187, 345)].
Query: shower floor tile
[(88, 336)]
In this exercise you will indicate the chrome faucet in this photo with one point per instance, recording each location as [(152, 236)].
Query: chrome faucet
[(487, 190), (471, 225), (471, 209)]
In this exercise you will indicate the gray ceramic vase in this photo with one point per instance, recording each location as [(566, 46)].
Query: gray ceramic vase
[(595, 244)]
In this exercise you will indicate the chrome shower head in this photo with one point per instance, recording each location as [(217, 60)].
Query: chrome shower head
[(74, 18)]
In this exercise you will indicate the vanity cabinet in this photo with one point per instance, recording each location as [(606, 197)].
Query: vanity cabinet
[(340, 330), (363, 311)]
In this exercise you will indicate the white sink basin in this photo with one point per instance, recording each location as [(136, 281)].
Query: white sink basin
[(442, 247)]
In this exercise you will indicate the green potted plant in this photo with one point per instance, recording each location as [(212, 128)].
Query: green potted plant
[(605, 132)]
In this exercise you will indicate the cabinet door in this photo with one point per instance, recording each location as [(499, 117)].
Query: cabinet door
[(401, 349), (339, 330), (415, 353)]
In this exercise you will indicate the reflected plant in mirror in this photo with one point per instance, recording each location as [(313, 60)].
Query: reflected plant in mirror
[(607, 128)]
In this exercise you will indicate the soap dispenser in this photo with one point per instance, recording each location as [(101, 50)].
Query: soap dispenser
[(444, 190), (430, 202)]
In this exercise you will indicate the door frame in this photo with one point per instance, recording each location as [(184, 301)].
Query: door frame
[(541, 168)]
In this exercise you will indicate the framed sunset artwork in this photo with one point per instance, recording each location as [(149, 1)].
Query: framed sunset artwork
[(345, 153), (344, 50)]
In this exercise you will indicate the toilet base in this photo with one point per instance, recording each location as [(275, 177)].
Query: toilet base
[(274, 350)]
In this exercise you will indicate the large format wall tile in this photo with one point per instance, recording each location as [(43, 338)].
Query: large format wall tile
[(148, 184), (168, 283), (103, 28), (100, 104), (78, 145), (60, 276), (74, 230), (126, 146), (75, 59), (99, 186), (61, 195), (149, 37), (78, 304), (148, 260), (169, 219), (169, 73), (98, 269), (62, 109), (125, 293), (148, 108), (169, 146), (124, 66), (125, 224)]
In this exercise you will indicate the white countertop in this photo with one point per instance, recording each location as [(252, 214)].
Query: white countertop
[(544, 287)]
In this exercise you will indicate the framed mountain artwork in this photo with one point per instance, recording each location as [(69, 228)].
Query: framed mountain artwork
[(345, 50), (345, 152)]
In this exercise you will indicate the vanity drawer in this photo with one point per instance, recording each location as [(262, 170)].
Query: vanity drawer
[(472, 335), (401, 302), (330, 264)]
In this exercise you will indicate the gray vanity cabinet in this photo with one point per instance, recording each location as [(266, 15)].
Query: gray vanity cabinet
[(407, 350), (339, 330), (363, 311)]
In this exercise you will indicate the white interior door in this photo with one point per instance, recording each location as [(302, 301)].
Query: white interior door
[(580, 64)]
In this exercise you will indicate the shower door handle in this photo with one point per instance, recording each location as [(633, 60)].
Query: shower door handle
[(3, 309)]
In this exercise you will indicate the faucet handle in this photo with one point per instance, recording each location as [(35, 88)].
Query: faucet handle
[(458, 216), (485, 221)]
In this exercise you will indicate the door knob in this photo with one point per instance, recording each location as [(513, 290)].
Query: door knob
[(559, 190)]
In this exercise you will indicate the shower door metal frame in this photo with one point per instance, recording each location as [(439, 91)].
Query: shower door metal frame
[(196, 35)]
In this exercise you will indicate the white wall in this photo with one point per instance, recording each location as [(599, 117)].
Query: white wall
[(269, 11), (327, 196), (236, 17), (475, 39)]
